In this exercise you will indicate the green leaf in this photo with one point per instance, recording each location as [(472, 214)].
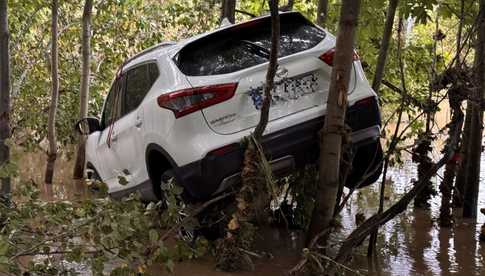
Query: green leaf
[(170, 265), (153, 234), (3, 246)]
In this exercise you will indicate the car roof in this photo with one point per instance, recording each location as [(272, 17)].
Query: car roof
[(172, 48)]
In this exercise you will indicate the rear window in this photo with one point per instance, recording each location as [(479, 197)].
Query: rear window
[(246, 45)]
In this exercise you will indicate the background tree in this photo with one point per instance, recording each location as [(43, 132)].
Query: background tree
[(322, 12), (384, 46), (4, 93), (51, 134), (84, 91), (474, 150), (334, 130), (229, 10)]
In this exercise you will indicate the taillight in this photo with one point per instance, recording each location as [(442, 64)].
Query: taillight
[(327, 57), (186, 101)]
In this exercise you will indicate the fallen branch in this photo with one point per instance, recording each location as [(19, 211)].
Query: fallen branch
[(194, 213)]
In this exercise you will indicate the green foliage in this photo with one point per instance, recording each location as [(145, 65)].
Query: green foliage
[(123, 236), (120, 29)]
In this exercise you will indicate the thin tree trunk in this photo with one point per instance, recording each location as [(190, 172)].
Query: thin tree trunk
[(84, 90), (322, 12), (459, 32), (475, 145), (272, 67), (445, 219), (4, 93), (394, 140), (334, 128), (461, 175), (424, 146), (386, 37), (229, 10), (51, 125), (253, 197)]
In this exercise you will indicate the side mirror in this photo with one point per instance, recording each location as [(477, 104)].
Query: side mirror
[(88, 125)]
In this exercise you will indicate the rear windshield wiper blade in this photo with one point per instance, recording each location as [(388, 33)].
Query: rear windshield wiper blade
[(256, 49)]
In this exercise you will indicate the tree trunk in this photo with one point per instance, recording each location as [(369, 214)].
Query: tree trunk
[(229, 10), (322, 12), (395, 137), (253, 197), (423, 148), (461, 171), (334, 128), (84, 90), (461, 175), (386, 37), (4, 94), (475, 145), (51, 124)]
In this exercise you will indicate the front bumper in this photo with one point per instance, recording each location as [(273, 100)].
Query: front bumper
[(290, 148)]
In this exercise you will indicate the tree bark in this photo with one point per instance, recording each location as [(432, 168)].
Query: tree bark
[(461, 171), (475, 145), (322, 12), (334, 128), (386, 37), (394, 140), (270, 74), (4, 93), (84, 90), (461, 175), (229, 10), (51, 124)]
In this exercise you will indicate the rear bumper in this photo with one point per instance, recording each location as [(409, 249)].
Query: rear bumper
[(290, 148)]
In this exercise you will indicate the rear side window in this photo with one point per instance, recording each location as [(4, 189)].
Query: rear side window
[(138, 83), (246, 45)]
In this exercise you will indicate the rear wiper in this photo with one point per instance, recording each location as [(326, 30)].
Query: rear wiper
[(256, 49)]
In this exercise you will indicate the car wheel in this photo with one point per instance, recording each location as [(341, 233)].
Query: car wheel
[(95, 180)]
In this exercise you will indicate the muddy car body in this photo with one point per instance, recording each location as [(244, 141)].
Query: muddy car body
[(181, 109)]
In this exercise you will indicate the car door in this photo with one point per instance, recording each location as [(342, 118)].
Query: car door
[(128, 144), (108, 162)]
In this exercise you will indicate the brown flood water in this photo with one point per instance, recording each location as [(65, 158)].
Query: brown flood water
[(410, 244)]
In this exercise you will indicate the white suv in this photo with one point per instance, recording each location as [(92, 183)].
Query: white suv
[(181, 109)]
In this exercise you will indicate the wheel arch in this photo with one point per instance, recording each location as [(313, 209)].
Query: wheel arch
[(157, 161)]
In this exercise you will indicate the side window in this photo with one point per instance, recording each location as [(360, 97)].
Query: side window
[(138, 82), (112, 106)]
